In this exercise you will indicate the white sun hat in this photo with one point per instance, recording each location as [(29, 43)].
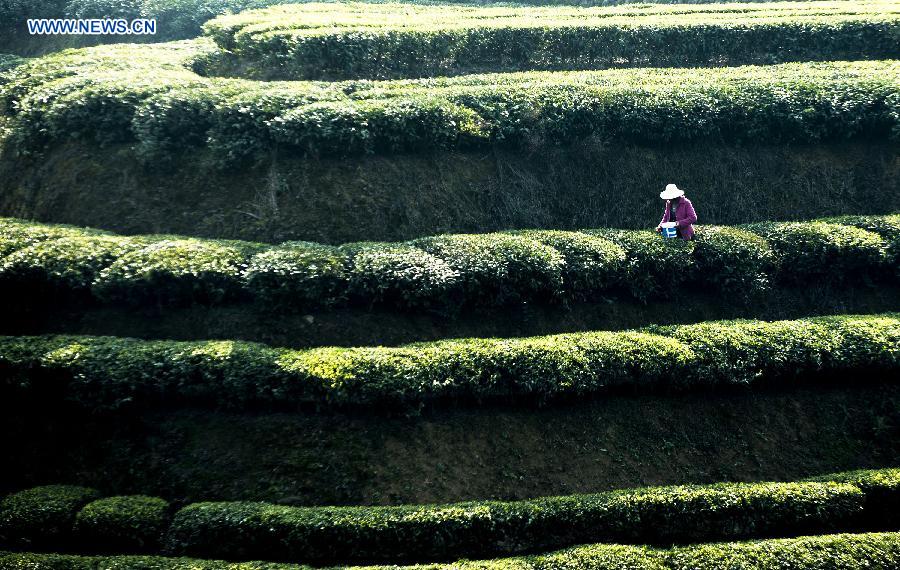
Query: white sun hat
[(671, 192)]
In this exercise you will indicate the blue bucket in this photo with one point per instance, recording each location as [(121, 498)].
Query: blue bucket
[(669, 230)]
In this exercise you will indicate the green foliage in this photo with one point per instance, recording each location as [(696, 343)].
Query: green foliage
[(379, 41), (732, 260), (655, 267), (42, 516), (392, 125), (443, 272), (592, 263), (882, 489), (180, 19), (400, 275), (819, 250), (656, 515), (843, 551), (18, 234), (151, 96), (871, 551), (128, 9), (176, 271), (744, 352), (854, 342), (13, 14), (887, 227), (63, 266), (176, 19), (107, 372), (299, 275), (110, 373), (499, 268), (592, 557), (8, 61), (126, 524)]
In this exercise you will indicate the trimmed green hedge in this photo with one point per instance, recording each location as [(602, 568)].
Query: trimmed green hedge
[(381, 41), (67, 265), (42, 517), (656, 515), (177, 271), (882, 489), (123, 524), (661, 516), (592, 263), (820, 250), (834, 552), (734, 259), (400, 275), (499, 268), (298, 275), (149, 95), (39, 262), (872, 551), (108, 372), (887, 227), (180, 19), (654, 267), (19, 234)]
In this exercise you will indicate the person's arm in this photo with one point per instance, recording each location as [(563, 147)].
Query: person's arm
[(665, 215), (691, 214)]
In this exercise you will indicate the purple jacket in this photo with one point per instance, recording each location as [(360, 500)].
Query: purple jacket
[(684, 215)]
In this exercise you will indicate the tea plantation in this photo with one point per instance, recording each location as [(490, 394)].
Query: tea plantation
[(298, 285)]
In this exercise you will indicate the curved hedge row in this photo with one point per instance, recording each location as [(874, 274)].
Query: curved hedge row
[(181, 19), (114, 94), (40, 262), (660, 515), (109, 372), (882, 489), (42, 517), (361, 40), (871, 551)]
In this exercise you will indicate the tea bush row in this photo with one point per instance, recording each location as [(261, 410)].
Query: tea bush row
[(484, 529), (662, 515), (179, 19), (149, 97), (103, 373), (60, 517), (39, 262), (488, 528), (381, 41), (870, 551)]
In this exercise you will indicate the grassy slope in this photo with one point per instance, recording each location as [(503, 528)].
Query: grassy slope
[(400, 197), (440, 457)]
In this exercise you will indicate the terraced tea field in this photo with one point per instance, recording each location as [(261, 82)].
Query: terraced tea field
[(346, 40), (346, 284)]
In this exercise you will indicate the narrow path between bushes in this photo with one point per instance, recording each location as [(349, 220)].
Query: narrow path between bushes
[(360, 327)]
